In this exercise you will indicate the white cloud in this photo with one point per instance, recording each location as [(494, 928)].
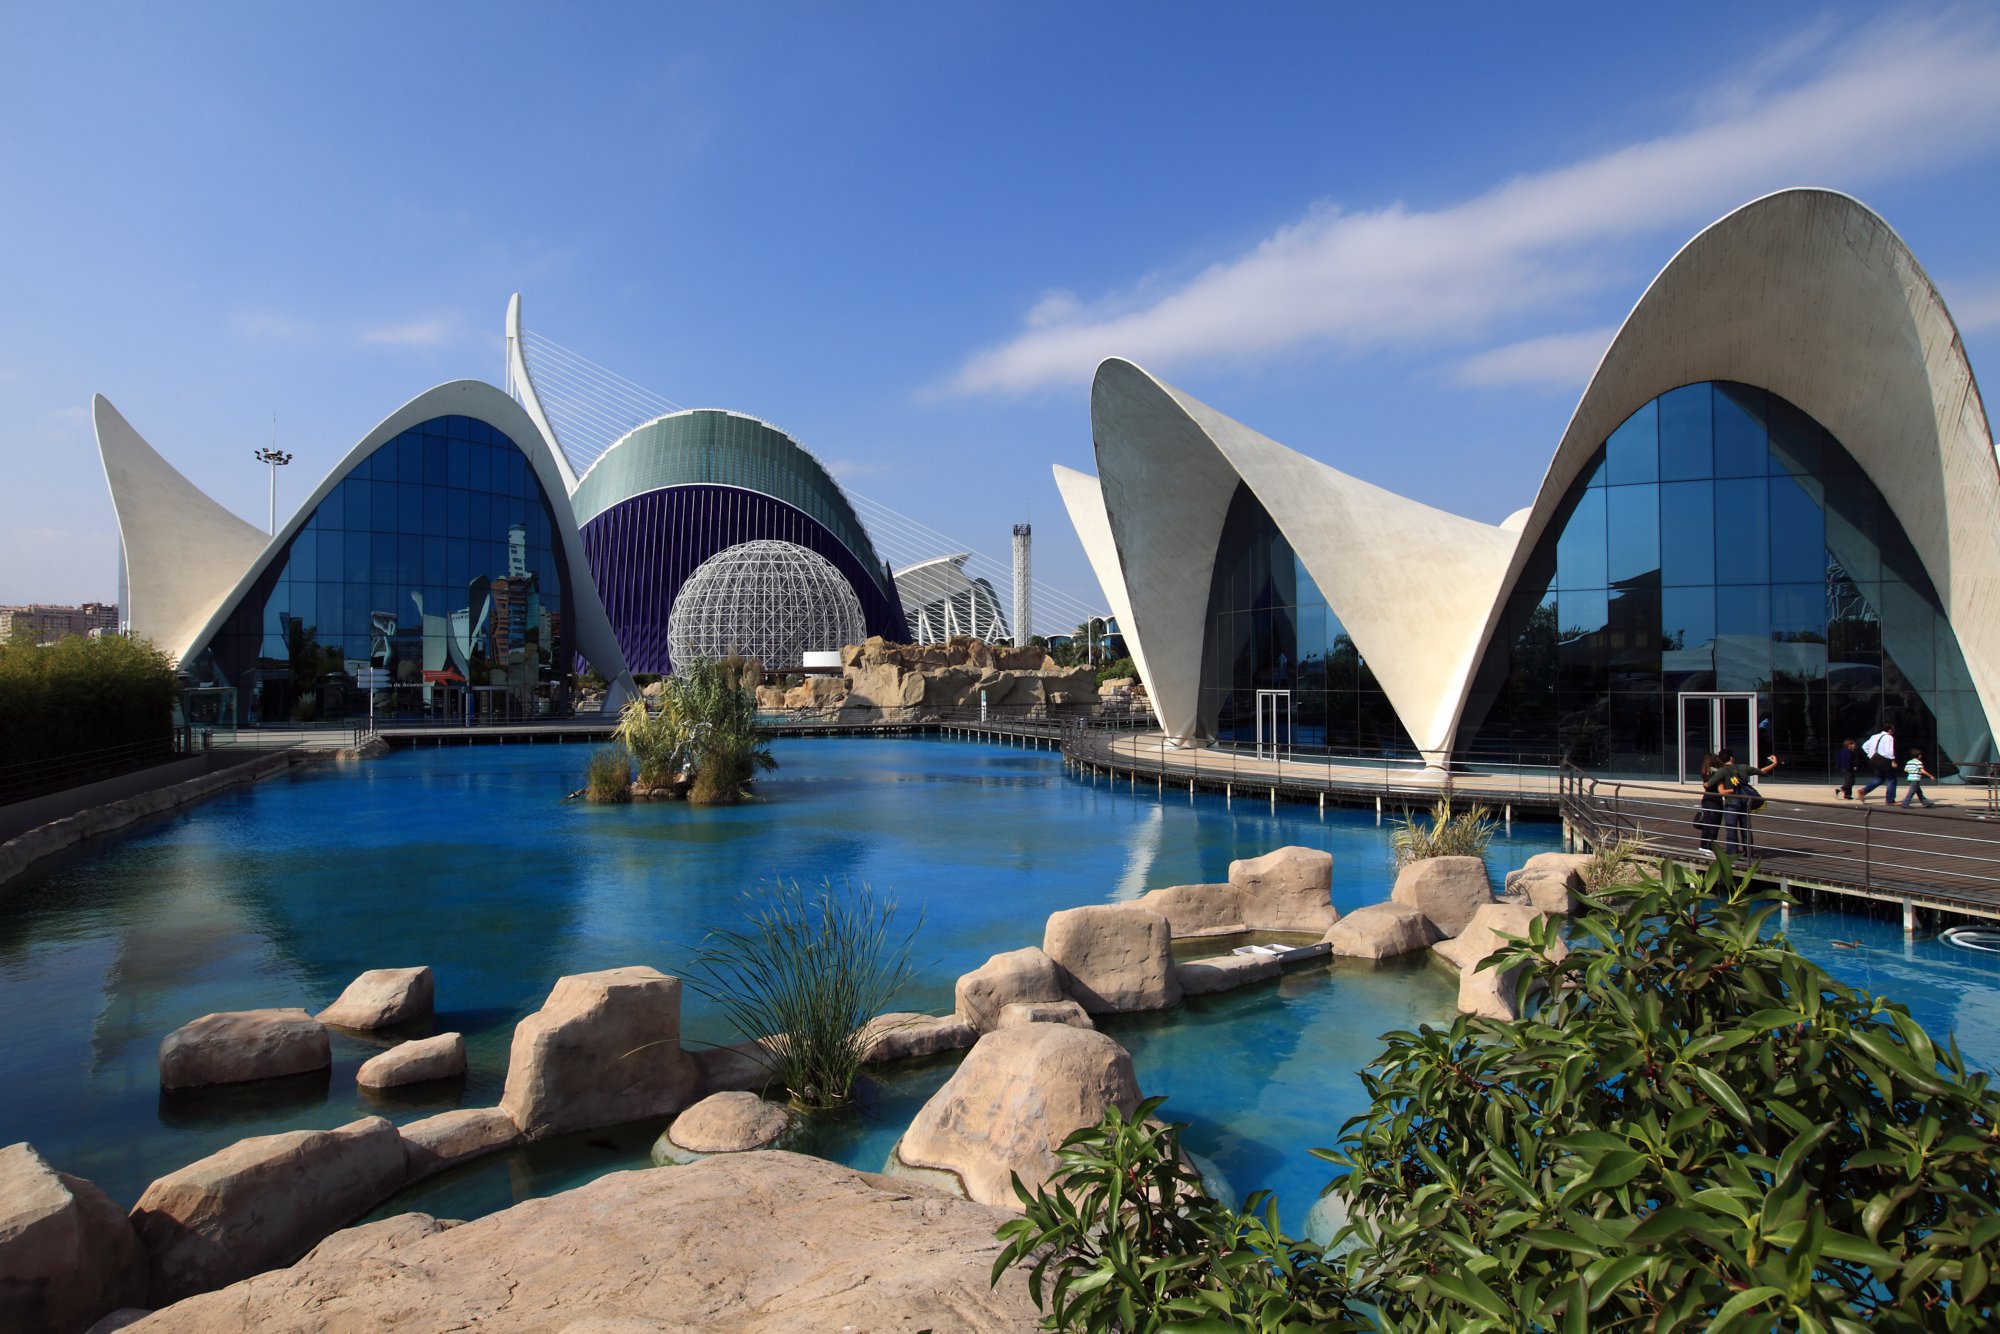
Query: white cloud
[(264, 326), (413, 333), (1892, 99), (1553, 361)]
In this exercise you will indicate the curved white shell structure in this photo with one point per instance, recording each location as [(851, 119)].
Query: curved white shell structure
[(1806, 293)]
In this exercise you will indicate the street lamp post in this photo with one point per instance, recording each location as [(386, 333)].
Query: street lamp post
[(277, 458)]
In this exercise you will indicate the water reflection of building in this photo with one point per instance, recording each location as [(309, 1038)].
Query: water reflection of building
[(1779, 488)]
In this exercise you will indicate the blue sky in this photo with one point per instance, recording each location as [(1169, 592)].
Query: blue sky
[(1396, 238)]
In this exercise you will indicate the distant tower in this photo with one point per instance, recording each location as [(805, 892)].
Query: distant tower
[(1023, 627), (517, 552)]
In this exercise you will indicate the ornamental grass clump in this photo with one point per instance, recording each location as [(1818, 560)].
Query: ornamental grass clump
[(1445, 833), (802, 976), (608, 779), (703, 734), (1692, 1127)]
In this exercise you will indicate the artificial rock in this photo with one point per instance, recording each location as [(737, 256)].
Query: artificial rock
[(68, 1255), (1448, 890), (1381, 931), (382, 998), (605, 1048), (440, 1057), (1017, 975), (1286, 890), (239, 1045), (1113, 958)]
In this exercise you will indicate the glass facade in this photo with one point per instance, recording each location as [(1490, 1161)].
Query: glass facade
[(1722, 541), (436, 563), (1269, 629)]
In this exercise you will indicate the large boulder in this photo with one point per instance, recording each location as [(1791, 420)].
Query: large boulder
[(604, 1048), (902, 1036), (67, 1253), (1113, 958), (722, 1123), (1019, 1093), (1491, 992), (262, 1202), (1550, 881), (764, 1242), (1225, 972), (239, 1045), (1448, 890), (1017, 975), (1286, 890), (383, 998), (1044, 1012), (440, 1057), (883, 686), (450, 1138), (1381, 931), (384, 1236), (1196, 910)]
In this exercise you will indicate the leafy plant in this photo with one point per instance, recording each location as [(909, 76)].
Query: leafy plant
[(704, 727), (608, 780), (1691, 1128), (1448, 833), (802, 976), (79, 695), (657, 742), (1123, 1237)]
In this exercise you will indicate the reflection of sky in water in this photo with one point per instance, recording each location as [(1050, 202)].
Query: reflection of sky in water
[(469, 860)]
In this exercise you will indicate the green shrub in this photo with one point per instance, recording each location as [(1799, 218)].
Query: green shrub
[(705, 727), (656, 741), (1124, 1237), (608, 780), (803, 974), (80, 695), (1691, 1128), (1448, 833), (1113, 671)]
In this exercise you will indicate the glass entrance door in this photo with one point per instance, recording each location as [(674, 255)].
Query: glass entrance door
[(1714, 721), (1274, 723)]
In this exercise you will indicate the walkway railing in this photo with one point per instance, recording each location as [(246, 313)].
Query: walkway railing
[(25, 779), (1296, 772), (1942, 859)]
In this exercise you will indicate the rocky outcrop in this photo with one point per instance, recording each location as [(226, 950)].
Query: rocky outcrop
[(1197, 910), (450, 1138), (1026, 975), (920, 680), (441, 1057), (605, 1048), (1018, 1094), (1286, 890), (1113, 958), (1381, 931), (1550, 881), (1491, 992), (902, 1036), (260, 1203), (1044, 1012), (67, 1253), (1225, 972), (763, 1242), (722, 1123), (1448, 890), (382, 998), (239, 1045), (370, 1241)]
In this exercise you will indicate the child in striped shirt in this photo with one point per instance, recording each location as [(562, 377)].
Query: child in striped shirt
[(1914, 774)]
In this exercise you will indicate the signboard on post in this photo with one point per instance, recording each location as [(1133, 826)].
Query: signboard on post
[(371, 678)]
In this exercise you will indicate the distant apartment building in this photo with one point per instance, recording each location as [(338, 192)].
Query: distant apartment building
[(48, 623)]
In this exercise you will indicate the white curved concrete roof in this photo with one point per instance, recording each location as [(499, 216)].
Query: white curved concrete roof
[(1805, 293), (183, 552), (1410, 584), (468, 398), (1811, 295)]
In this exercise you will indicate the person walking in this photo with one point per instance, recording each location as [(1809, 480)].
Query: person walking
[(1881, 752), (1914, 774), (1846, 761)]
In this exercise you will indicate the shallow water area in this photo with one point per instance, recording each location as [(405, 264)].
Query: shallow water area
[(468, 859)]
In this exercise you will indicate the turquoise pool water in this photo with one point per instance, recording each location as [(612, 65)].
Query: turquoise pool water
[(469, 860)]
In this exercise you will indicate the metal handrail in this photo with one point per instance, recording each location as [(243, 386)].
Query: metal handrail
[(23, 780), (1937, 857)]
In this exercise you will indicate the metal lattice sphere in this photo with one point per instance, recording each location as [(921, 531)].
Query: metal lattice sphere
[(772, 601)]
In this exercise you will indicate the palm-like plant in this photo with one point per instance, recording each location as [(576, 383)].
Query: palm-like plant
[(659, 741), (726, 748), (1448, 833)]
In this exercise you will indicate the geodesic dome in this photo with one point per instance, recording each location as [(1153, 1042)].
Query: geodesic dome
[(772, 601)]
